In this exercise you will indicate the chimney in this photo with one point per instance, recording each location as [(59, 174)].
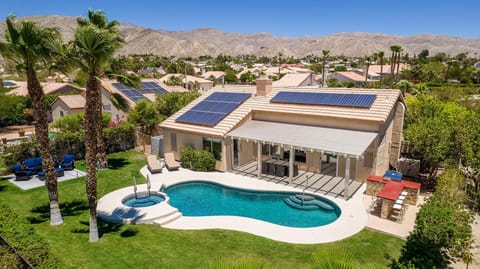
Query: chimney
[(51, 80), (264, 86)]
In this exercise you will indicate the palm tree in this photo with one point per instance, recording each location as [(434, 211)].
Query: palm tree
[(381, 55), (395, 60), (324, 61), (399, 52), (26, 46), (368, 60), (280, 55), (93, 52), (99, 19)]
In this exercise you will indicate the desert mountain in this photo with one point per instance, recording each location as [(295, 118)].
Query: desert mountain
[(208, 41)]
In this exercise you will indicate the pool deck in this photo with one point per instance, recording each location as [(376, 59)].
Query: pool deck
[(353, 219)]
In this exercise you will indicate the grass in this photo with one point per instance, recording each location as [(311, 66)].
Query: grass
[(148, 246)]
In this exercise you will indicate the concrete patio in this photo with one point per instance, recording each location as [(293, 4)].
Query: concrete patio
[(35, 181)]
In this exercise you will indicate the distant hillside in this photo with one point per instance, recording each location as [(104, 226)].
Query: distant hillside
[(208, 41)]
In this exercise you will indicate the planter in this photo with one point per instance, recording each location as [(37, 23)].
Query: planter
[(21, 133)]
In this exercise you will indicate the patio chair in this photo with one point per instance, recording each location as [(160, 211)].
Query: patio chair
[(60, 172), (153, 165), (22, 174), (68, 162), (33, 164), (170, 162)]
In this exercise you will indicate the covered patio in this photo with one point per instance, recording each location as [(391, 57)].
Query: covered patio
[(346, 146), (323, 183)]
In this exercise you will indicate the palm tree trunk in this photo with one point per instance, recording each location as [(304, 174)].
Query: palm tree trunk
[(41, 132), (101, 156), (91, 118), (392, 66), (398, 66), (381, 70)]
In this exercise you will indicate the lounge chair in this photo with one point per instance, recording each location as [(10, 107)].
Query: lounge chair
[(153, 165), (22, 174), (68, 162), (170, 162)]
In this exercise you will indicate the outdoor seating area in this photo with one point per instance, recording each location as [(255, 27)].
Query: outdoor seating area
[(33, 166), (392, 195)]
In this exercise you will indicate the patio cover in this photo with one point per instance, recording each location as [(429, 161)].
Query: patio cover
[(339, 141)]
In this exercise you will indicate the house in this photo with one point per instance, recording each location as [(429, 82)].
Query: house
[(296, 80), (191, 82), (385, 70), (216, 75), (49, 87), (349, 76), (67, 105), (356, 132)]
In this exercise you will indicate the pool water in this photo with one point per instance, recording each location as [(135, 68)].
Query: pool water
[(144, 201), (198, 198)]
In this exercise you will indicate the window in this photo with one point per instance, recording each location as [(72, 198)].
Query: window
[(214, 146), (107, 107), (173, 141), (61, 113)]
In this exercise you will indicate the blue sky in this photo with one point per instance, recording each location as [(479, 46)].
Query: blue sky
[(281, 18)]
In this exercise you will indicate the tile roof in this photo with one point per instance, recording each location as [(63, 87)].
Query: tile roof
[(48, 88), (378, 112), (291, 80), (71, 101)]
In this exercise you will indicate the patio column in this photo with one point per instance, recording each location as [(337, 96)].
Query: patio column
[(347, 177), (259, 159), (291, 161), (320, 165)]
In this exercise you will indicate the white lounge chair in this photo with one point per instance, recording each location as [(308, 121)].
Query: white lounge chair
[(170, 162), (153, 165)]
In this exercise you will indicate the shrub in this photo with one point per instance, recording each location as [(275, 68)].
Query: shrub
[(204, 161), (188, 154), (200, 160), (21, 235)]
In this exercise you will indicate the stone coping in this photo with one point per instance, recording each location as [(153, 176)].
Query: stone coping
[(352, 220)]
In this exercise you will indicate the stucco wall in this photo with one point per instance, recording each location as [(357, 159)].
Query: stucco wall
[(60, 106)]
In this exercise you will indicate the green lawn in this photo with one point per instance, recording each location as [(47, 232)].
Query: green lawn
[(148, 246)]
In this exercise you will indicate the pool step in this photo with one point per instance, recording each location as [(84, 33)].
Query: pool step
[(167, 218), (309, 202)]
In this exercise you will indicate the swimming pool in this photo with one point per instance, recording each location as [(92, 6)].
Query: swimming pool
[(200, 198)]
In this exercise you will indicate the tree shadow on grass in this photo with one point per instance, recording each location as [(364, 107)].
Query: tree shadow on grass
[(105, 227), (72, 208), (117, 163)]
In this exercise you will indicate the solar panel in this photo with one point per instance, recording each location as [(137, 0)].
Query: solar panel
[(213, 108), (152, 87), (8, 84), (130, 93), (328, 99)]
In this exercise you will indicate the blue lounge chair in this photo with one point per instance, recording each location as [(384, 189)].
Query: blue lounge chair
[(68, 162), (34, 164), (22, 174)]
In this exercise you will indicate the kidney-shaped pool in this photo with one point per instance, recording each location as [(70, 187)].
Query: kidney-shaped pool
[(200, 198)]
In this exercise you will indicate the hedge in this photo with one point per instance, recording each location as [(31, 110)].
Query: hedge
[(21, 235), (119, 138)]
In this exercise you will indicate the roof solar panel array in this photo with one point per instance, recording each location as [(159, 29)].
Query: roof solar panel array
[(135, 95), (213, 108), (328, 99)]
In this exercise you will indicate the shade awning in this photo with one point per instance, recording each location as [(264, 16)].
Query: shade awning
[(306, 137)]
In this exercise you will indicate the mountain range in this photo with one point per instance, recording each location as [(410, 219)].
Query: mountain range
[(209, 41)]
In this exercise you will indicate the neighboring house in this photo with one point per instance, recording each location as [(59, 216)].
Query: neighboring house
[(349, 76), (191, 82), (217, 75), (386, 70), (67, 105), (49, 87), (358, 131), (296, 80)]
